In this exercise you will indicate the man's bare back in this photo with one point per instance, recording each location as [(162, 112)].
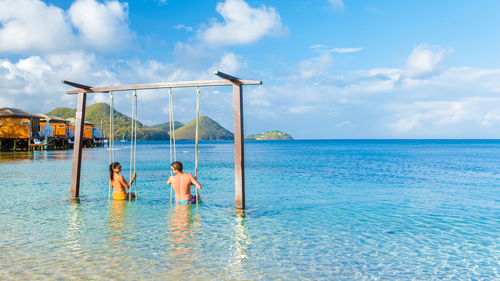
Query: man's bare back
[(181, 182)]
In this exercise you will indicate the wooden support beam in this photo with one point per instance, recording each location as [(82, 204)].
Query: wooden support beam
[(182, 84), (77, 85), (233, 79), (77, 146), (239, 152)]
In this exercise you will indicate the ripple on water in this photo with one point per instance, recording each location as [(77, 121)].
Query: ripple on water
[(379, 210)]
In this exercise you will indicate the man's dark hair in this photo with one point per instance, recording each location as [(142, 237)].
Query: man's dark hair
[(177, 165)]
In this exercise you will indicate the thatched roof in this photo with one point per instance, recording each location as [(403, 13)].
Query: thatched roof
[(18, 113), (52, 118)]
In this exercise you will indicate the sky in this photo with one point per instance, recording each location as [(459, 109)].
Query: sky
[(331, 69)]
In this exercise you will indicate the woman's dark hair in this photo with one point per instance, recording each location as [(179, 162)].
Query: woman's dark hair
[(111, 167), (177, 166)]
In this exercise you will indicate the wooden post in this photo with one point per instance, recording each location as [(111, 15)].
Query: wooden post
[(239, 155), (77, 146)]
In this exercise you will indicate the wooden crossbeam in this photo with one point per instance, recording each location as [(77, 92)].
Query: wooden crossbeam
[(182, 84), (228, 77), (77, 85)]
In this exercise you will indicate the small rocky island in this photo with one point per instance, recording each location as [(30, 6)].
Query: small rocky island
[(271, 135)]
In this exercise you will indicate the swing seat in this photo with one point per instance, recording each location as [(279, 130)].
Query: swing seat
[(122, 195)]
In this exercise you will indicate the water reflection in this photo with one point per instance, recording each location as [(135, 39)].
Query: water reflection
[(117, 225), (35, 155), (76, 226), (241, 243), (183, 226), (15, 156)]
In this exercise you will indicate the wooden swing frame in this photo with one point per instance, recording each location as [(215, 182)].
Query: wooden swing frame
[(227, 80)]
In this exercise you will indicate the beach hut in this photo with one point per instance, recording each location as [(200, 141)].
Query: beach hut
[(60, 126), (17, 125)]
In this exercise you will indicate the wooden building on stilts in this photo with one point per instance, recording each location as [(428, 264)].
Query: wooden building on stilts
[(57, 136), (18, 128), (88, 132)]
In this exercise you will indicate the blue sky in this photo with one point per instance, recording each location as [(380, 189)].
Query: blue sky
[(330, 68)]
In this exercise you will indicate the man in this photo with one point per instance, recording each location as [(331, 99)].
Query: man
[(181, 182)]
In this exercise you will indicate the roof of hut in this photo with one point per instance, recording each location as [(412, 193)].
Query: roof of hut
[(52, 118), (73, 121), (15, 112)]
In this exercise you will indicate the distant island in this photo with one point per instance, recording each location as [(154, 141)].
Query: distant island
[(209, 129), (271, 135)]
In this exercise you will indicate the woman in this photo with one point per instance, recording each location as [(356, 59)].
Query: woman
[(118, 182)]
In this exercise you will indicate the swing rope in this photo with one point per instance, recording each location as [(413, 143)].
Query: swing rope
[(111, 143), (172, 134), (196, 140), (173, 153), (133, 141)]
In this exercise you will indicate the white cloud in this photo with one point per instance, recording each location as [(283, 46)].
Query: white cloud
[(184, 27), (384, 102), (31, 25), (433, 118), (317, 46), (242, 24), (101, 26), (325, 49), (34, 83), (423, 61), (337, 4), (346, 50), (300, 109), (316, 66), (229, 63)]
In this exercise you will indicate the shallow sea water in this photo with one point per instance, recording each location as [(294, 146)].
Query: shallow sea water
[(316, 210)]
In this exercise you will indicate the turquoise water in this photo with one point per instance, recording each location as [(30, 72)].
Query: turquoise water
[(320, 210)]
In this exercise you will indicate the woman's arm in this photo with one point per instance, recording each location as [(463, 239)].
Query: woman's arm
[(123, 182), (133, 178)]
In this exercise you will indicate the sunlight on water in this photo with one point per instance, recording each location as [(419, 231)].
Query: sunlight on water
[(320, 210)]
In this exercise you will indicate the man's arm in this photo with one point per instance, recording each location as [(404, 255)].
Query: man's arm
[(169, 181), (195, 182)]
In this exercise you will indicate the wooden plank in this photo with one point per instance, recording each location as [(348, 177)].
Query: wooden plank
[(228, 77), (239, 152), (181, 84), (78, 145), (76, 85)]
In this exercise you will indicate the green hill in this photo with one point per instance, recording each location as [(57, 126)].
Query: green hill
[(166, 126), (208, 130), (271, 135), (63, 112), (100, 111)]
